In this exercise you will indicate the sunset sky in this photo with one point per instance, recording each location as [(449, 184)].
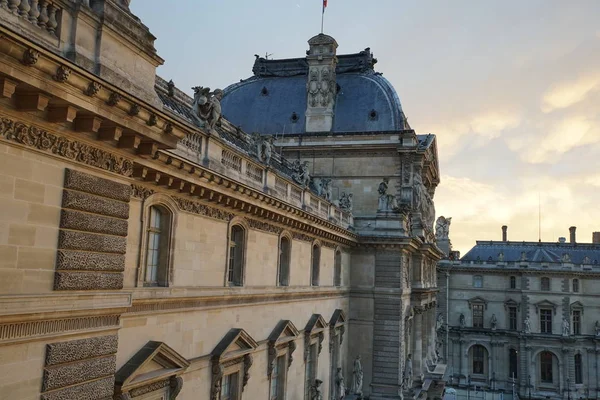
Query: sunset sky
[(511, 89)]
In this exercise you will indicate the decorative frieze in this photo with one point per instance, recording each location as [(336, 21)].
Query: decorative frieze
[(24, 330), (141, 192), (264, 226), (39, 139), (202, 209)]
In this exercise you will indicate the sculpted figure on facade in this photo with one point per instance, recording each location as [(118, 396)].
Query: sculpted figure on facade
[(263, 147), (442, 227), (566, 258), (597, 328), (423, 202), (346, 202), (566, 328), (387, 202), (324, 187), (301, 174), (493, 322), (407, 376), (439, 323), (461, 320), (357, 376), (501, 257), (316, 390), (207, 106), (527, 325), (340, 384)]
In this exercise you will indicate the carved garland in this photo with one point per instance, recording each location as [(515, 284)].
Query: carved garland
[(175, 383), (33, 137)]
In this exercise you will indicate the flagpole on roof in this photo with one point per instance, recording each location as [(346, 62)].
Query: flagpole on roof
[(323, 14)]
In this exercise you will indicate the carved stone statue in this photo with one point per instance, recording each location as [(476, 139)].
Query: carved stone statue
[(439, 323), (586, 260), (523, 256), (597, 328), (501, 257), (442, 227), (387, 202), (423, 202), (316, 390), (461, 320), (494, 322), (566, 328), (324, 187), (207, 106), (357, 377), (340, 385), (263, 147), (301, 174), (527, 325), (407, 375), (566, 258), (346, 201)]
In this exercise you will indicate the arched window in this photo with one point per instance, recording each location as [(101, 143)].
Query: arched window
[(235, 266), (546, 372), (513, 282), (478, 359), (284, 261), (337, 269), (545, 284), (578, 369), (513, 364), (575, 285), (478, 281), (316, 265), (158, 233)]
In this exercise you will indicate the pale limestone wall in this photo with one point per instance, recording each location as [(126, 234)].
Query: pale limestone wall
[(21, 370)]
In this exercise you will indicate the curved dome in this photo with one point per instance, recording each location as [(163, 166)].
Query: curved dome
[(274, 100)]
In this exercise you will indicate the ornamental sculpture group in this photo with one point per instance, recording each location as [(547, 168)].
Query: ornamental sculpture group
[(340, 386), (207, 106)]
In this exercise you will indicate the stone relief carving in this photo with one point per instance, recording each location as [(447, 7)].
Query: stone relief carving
[(493, 322), (92, 89), (527, 325), (62, 74), (346, 202), (201, 209), (263, 147), (423, 202), (248, 361), (357, 376), (321, 87), (217, 376), (30, 57), (207, 106), (442, 227), (324, 187), (566, 258), (387, 202), (316, 390), (33, 137), (114, 99), (501, 257), (439, 323), (407, 375), (141, 192), (461, 320), (340, 385), (301, 174)]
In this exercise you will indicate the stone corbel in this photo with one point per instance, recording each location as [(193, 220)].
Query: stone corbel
[(321, 338), (175, 384), (248, 361), (291, 349), (216, 377), (272, 356)]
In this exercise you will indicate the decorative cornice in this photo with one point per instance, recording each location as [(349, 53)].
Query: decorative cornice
[(141, 192), (202, 209), (39, 139)]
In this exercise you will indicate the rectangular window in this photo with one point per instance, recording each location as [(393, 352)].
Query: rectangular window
[(546, 321), (478, 359), (513, 282), (575, 285), (512, 318), (477, 315), (278, 379), (229, 387), (578, 369), (478, 281), (545, 284), (576, 322), (311, 369), (546, 367)]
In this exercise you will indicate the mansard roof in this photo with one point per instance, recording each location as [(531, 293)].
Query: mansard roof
[(534, 252), (273, 101)]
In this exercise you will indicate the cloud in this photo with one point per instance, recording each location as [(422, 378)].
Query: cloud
[(566, 94)]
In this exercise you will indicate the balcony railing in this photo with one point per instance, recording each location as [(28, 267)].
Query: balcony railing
[(44, 14)]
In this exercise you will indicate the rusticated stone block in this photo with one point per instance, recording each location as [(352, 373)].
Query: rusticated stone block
[(63, 375), (81, 260), (71, 240), (94, 204), (92, 184), (96, 390), (65, 280), (75, 350), (81, 221)]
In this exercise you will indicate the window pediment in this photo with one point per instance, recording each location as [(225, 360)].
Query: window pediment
[(577, 306), (545, 304), (511, 303), (314, 328), (154, 366), (337, 326), (477, 300), (282, 337)]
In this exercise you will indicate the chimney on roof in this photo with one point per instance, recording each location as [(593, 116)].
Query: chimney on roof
[(572, 235), (504, 235), (562, 240), (596, 237)]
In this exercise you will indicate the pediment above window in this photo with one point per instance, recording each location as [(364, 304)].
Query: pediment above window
[(155, 367), (545, 304), (477, 300), (314, 329), (511, 303), (282, 339), (577, 306), (337, 326), (236, 343)]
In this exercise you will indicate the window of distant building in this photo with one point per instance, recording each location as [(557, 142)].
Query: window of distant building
[(546, 370), (513, 282), (478, 315), (285, 246), (576, 322), (316, 265), (512, 318), (578, 369), (575, 285), (337, 269), (235, 266), (545, 284), (513, 364), (545, 321), (478, 281), (478, 354)]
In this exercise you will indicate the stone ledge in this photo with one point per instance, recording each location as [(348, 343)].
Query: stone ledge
[(75, 350), (61, 302), (65, 375), (82, 260), (72, 240), (64, 280), (95, 223), (96, 390), (95, 185), (94, 204)]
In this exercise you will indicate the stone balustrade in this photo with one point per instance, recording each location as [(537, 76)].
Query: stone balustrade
[(43, 14)]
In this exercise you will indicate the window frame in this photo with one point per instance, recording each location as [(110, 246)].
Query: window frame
[(513, 323), (512, 282), (315, 264), (575, 285), (578, 363), (230, 270), (478, 281), (284, 263), (480, 359), (165, 203), (545, 284), (546, 367), (479, 319), (546, 320), (576, 321), (337, 268)]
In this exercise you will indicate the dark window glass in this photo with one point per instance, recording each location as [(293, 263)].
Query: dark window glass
[(284, 262), (576, 322), (477, 315), (337, 271), (512, 318), (478, 359), (513, 282), (236, 257), (576, 285), (478, 281), (229, 389), (578, 369), (316, 265), (546, 321), (157, 252), (545, 284), (546, 367), (513, 363)]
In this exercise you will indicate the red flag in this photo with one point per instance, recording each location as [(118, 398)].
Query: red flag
[(324, 5)]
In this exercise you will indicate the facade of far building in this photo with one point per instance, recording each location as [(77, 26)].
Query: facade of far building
[(272, 240), (523, 318)]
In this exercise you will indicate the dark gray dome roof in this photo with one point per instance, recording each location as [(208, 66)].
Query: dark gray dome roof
[(274, 100)]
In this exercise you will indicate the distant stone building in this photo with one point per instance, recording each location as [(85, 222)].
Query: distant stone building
[(273, 240), (523, 316)]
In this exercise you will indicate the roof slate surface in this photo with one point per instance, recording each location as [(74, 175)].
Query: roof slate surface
[(543, 252)]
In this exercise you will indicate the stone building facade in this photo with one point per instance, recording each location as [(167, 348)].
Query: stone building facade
[(523, 317), (154, 247)]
